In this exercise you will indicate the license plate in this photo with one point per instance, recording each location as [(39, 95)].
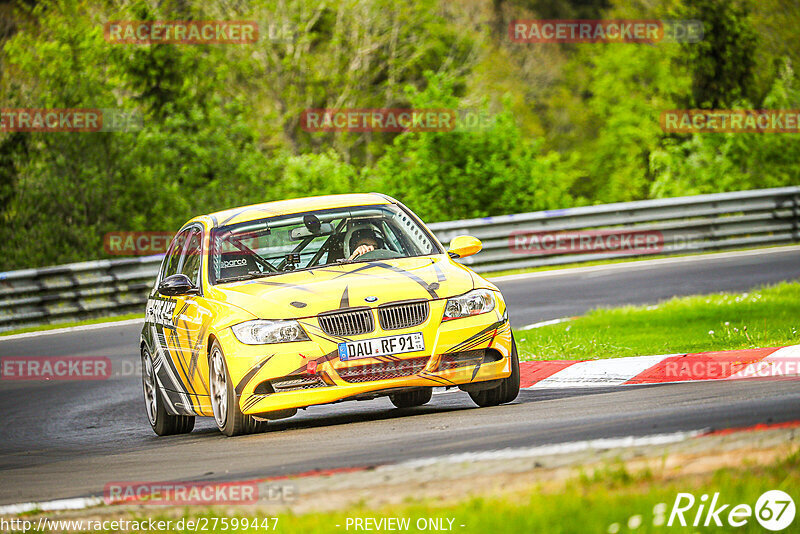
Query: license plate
[(381, 346)]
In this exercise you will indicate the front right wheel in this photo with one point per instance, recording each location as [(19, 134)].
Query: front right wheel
[(508, 389)]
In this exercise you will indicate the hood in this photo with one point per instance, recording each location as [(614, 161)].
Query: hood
[(308, 293)]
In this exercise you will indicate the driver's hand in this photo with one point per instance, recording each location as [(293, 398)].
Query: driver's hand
[(362, 249)]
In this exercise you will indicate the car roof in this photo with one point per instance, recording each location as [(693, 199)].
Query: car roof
[(294, 205)]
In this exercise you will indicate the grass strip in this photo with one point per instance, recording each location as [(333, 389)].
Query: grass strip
[(765, 317)]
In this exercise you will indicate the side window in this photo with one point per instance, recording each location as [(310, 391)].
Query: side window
[(174, 254), (191, 258)]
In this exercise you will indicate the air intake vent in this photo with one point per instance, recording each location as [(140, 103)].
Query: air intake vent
[(347, 323), (383, 371), (406, 315), (461, 359)]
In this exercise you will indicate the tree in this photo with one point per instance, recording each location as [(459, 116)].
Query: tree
[(469, 173), (722, 65)]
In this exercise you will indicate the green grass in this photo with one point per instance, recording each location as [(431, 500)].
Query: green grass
[(607, 501), (766, 317), (70, 324)]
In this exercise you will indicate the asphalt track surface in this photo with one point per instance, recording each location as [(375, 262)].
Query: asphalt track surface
[(69, 439)]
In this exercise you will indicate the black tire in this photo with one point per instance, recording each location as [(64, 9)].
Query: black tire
[(508, 389), (232, 422), (410, 399), (162, 423)]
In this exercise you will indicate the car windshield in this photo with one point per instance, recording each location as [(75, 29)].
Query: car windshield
[(308, 240)]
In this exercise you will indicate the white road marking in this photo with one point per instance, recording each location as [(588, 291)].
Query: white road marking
[(546, 323), (547, 450), (51, 506), (81, 328)]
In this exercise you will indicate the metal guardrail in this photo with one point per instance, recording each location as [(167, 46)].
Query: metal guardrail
[(684, 225)]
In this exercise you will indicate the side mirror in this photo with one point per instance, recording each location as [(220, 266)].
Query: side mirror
[(464, 245), (176, 285)]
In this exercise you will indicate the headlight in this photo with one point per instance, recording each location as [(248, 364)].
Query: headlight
[(475, 302), (260, 332)]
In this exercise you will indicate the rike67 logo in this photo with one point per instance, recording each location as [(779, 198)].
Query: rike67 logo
[(774, 510)]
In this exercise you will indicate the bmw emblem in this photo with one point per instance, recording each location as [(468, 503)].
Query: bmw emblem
[(371, 299)]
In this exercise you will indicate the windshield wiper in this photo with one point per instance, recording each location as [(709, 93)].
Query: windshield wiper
[(249, 276)]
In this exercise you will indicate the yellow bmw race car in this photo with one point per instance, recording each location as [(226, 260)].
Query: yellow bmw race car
[(261, 310)]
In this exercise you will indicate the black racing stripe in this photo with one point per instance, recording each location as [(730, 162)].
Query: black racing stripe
[(250, 374), (324, 270), (471, 344), (358, 270), (475, 371), (437, 379), (440, 277), (345, 300), (317, 331), (168, 359), (187, 387), (196, 352), (279, 284), (494, 335), (177, 402), (466, 343), (493, 326), (427, 287), (252, 401)]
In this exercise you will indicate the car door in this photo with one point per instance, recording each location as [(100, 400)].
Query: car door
[(160, 318), (180, 324), (192, 320), (186, 340)]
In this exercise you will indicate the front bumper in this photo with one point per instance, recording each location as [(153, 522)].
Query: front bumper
[(461, 351)]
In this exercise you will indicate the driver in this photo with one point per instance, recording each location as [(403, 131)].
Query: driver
[(362, 241)]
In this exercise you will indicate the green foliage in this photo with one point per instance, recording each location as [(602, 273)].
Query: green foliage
[(715, 162), (629, 87), (723, 63), (471, 172), (572, 124)]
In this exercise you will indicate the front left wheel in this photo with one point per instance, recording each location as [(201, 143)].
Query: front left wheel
[(410, 399), (227, 414), (163, 423)]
